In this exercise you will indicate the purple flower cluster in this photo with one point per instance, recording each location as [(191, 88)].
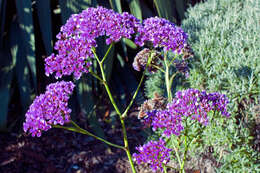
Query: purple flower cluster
[(154, 153), (50, 108), (161, 33), (78, 36), (190, 103)]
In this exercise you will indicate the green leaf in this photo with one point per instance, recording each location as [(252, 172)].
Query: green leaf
[(69, 7), (116, 5), (45, 21), (135, 8), (19, 52), (25, 18), (130, 43), (180, 8), (87, 104), (6, 74), (2, 20), (165, 9)]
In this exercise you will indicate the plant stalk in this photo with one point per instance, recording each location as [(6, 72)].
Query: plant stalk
[(126, 148)]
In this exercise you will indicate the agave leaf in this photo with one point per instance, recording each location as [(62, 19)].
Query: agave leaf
[(2, 19), (180, 8), (19, 52), (87, 104), (69, 7), (44, 18), (24, 11), (165, 9), (135, 8), (116, 5), (6, 75)]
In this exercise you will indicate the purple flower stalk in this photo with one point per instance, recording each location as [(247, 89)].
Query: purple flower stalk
[(190, 103), (78, 36), (50, 108), (154, 153), (161, 33)]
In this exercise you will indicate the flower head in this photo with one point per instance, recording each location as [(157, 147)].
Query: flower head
[(190, 103), (78, 36), (50, 108), (161, 33), (154, 153), (142, 57)]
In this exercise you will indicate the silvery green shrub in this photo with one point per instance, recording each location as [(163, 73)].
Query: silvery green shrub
[(225, 37)]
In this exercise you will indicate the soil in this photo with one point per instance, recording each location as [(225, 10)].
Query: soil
[(61, 151)]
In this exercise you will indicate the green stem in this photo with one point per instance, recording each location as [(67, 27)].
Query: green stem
[(164, 168), (170, 167), (126, 148), (185, 154), (158, 68), (138, 87), (78, 129), (171, 79), (108, 50), (167, 80), (177, 153), (96, 76)]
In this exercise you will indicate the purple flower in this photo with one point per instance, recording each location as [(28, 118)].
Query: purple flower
[(78, 36), (154, 153), (190, 103), (161, 33), (50, 108)]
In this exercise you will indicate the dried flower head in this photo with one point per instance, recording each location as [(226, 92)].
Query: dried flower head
[(156, 103), (50, 108), (187, 52), (142, 57), (182, 67)]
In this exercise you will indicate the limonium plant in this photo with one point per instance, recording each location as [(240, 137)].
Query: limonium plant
[(76, 49)]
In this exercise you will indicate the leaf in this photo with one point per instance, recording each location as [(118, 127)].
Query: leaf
[(24, 11), (116, 5), (130, 43), (180, 8), (165, 9), (87, 104), (69, 7), (19, 52), (135, 8), (6, 74), (2, 19), (45, 21)]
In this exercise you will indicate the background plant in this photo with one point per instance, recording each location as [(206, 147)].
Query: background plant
[(224, 38)]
